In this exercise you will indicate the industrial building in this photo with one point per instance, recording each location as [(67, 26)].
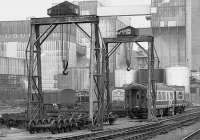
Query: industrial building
[(173, 27), (66, 43), (83, 67)]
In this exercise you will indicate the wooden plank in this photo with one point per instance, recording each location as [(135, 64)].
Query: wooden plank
[(65, 20), (126, 39)]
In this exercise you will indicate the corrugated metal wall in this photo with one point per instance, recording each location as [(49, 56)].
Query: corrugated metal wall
[(195, 34), (12, 66), (77, 79), (168, 22)]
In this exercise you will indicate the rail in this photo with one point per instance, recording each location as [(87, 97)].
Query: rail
[(141, 131), (192, 135)]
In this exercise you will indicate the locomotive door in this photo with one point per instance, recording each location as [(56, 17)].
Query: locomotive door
[(137, 97)]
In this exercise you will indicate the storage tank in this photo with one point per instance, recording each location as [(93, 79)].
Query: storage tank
[(178, 76), (122, 76), (142, 76)]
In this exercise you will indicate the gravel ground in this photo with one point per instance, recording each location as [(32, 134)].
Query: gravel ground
[(18, 134), (179, 133)]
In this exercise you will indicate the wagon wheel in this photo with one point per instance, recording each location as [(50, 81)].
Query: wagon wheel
[(39, 124), (2, 121), (66, 125), (60, 126), (31, 126), (53, 127), (71, 124), (45, 122), (11, 123)]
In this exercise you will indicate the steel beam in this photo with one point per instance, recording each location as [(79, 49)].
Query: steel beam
[(129, 39), (113, 50), (97, 75), (82, 30), (151, 94), (39, 72), (107, 78), (35, 97), (65, 20), (97, 67)]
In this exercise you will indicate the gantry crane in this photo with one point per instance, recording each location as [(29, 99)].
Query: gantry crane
[(97, 68), (99, 65)]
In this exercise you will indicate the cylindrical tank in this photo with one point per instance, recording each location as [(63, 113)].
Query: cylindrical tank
[(122, 76), (142, 76), (178, 76)]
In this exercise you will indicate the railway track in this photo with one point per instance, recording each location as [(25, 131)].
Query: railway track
[(193, 136), (142, 131)]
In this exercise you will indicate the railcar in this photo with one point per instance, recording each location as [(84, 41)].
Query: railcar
[(169, 100)]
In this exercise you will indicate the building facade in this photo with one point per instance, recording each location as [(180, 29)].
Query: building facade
[(169, 30)]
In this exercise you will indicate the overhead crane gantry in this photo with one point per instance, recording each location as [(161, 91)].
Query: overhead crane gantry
[(35, 107), (151, 96)]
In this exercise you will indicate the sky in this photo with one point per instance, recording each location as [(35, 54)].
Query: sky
[(23, 9)]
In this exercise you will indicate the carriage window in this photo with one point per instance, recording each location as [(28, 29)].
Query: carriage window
[(167, 94), (171, 95), (159, 96), (180, 95), (164, 95)]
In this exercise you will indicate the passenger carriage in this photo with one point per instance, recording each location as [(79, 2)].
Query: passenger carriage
[(169, 100)]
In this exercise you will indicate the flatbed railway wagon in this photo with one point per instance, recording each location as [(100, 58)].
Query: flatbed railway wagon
[(169, 100)]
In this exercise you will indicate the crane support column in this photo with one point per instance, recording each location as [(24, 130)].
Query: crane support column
[(97, 72), (35, 97), (107, 78), (151, 95)]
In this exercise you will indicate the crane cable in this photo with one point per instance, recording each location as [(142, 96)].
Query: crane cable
[(128, 54), (65, 63)]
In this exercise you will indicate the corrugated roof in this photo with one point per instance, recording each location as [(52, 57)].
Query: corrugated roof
[(135, 86)]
